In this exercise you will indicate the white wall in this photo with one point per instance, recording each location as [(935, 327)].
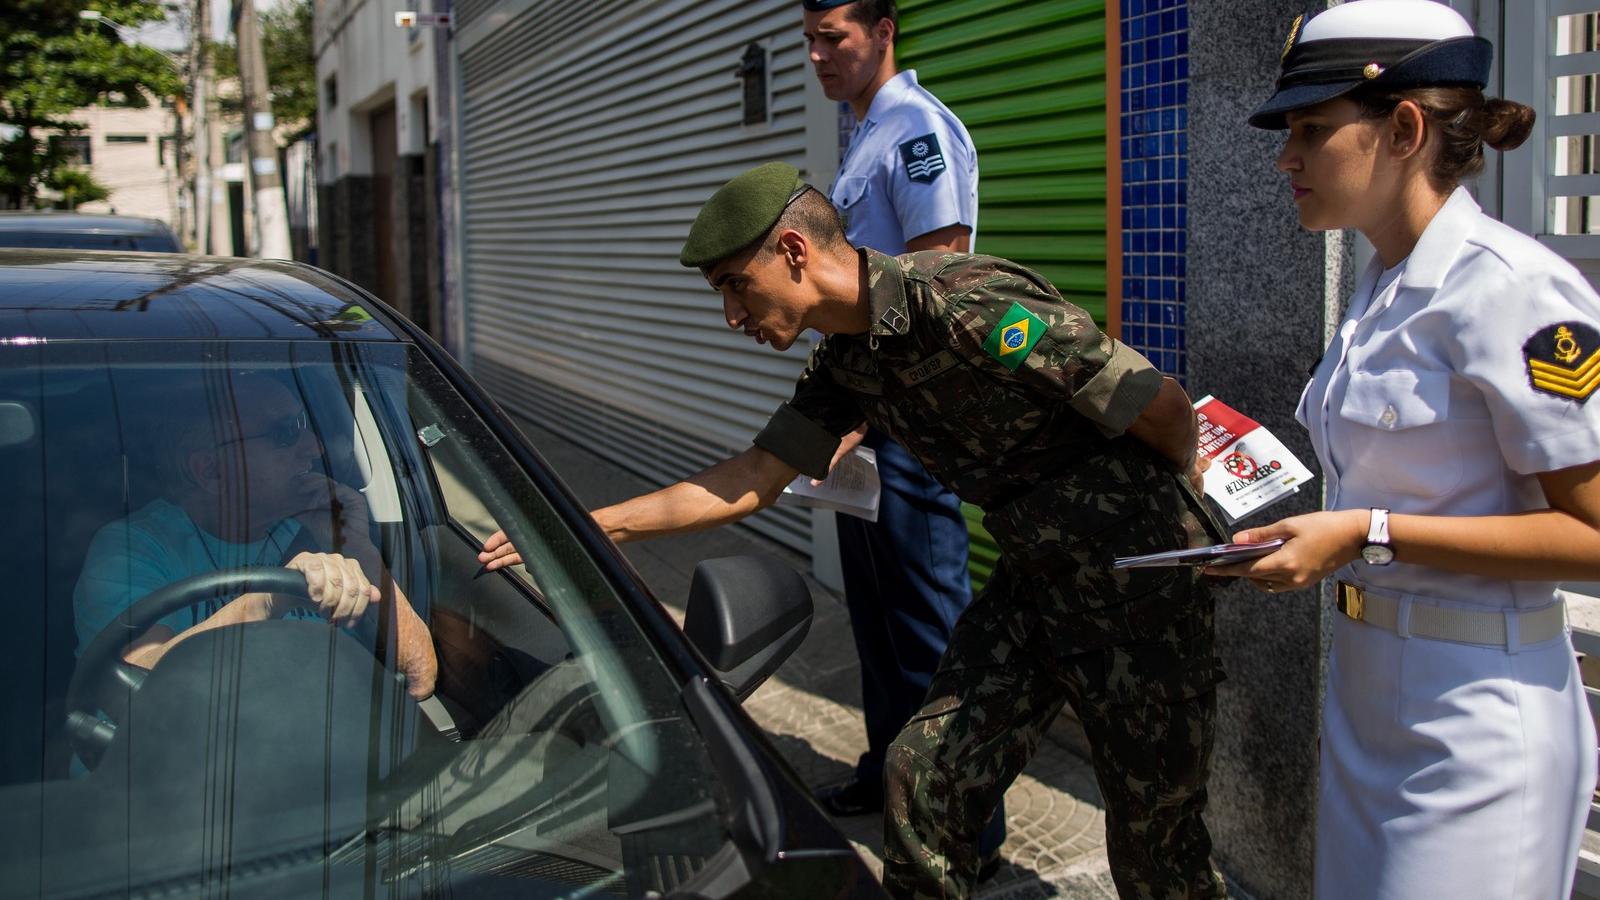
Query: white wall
[(140, 184), (375, 62)]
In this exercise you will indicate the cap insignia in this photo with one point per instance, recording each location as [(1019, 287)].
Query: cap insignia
[(1371, 71), (1294, 32)]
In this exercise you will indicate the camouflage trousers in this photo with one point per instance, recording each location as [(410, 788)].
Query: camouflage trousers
[(1147, 707)]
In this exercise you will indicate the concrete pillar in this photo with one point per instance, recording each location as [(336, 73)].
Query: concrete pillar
[(1261, 292), (412, 245), (347, 244)]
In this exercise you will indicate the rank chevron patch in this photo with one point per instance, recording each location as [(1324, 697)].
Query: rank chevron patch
[(923, 158), (1564, 360)]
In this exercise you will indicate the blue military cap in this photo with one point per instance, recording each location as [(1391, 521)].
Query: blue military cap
[(1393, 44), (824, 5)]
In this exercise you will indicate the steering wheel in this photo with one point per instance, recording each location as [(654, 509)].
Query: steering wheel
[(102, 659)]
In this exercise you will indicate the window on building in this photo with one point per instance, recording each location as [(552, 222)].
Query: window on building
[(127, 138), (76, 147), (330, 91), (753, 73), (1551, 186)]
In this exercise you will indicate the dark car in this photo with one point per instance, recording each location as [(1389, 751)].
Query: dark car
[(86, 231), (176, 434)]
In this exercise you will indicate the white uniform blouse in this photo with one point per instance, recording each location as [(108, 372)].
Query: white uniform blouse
[(1446, 393)]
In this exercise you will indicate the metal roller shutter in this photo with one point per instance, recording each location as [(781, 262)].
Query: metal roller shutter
[(1028, 81), (591, 133)]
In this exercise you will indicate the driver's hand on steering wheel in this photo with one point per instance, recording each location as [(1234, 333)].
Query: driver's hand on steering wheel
[(339, 589)]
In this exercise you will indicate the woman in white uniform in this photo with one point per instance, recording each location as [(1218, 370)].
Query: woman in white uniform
[(1456, 419)]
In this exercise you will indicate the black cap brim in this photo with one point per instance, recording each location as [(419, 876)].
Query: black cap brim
[(1270, 115)]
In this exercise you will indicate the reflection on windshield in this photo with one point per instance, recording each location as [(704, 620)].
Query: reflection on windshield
[(259, 653)]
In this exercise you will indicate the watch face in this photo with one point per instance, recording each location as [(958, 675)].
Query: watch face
[(1377, 554)]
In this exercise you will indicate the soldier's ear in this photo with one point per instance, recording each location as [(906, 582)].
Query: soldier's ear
[(795, 247)]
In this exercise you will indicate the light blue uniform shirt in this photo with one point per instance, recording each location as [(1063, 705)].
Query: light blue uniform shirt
[(910, 169), (156, 546)]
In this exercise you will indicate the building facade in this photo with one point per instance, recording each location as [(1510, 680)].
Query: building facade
[(380, 197), (130, 151)]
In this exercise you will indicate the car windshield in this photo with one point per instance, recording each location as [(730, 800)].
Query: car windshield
[(156, 491), (152, 242)]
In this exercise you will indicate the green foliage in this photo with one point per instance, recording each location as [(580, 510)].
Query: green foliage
[(53, 62), (76, 187), (286, 42)]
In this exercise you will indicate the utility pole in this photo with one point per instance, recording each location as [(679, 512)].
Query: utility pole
[(266, 182), (200, 78)]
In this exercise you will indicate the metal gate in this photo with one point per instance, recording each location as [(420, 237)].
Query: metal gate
[(591, 132), (1028, 79)]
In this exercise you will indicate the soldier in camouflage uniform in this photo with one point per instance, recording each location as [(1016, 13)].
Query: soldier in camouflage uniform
[(1077, 451)]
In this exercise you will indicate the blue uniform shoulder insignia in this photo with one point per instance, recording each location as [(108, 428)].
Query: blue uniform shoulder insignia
[(1564, 360), (923, 159)]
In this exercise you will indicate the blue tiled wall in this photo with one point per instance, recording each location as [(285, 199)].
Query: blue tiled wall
[(1155, 175)]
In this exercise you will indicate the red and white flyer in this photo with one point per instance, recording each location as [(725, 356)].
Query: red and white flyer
[(1250, 468)]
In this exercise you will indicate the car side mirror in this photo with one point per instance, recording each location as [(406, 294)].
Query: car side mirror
[(746, 615)]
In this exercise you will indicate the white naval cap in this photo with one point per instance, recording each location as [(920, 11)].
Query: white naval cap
[(1394, 44)]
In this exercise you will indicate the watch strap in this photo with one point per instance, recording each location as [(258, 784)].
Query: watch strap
[(1378, 527)]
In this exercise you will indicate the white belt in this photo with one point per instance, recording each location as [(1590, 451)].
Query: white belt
[(1508, 629)]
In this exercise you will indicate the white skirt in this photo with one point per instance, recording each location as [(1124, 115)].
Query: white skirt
[(1451, 770)]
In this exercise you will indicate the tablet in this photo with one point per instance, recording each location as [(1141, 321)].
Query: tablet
[(1215, 555)]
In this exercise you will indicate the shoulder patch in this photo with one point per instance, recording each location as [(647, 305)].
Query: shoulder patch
[(1013, 339), (1564, 360), (923, 159)]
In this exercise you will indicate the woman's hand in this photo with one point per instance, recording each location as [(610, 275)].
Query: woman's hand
[(1314, 546)]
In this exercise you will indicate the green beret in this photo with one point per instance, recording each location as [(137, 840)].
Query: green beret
[(739, 213)]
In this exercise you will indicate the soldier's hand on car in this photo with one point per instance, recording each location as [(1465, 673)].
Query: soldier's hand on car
[(1315, 545), (339, 589), (498, 552)]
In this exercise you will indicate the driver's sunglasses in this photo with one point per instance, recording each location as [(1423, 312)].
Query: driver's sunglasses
[(284, 433)]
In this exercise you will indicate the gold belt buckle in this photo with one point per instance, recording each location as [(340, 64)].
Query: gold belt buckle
[(1352, 601)]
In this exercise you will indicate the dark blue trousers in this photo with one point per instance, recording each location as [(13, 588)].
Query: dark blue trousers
[(905, 584)]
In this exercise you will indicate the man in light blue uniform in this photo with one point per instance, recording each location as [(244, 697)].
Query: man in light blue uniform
[(908, 182)]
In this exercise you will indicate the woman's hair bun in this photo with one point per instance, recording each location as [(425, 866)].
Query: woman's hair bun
[(1506, 123)]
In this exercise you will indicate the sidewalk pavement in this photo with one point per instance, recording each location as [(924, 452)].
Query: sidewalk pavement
[(811, 709)]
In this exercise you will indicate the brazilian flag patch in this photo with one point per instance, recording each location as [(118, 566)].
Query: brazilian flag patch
[(1012, 340)]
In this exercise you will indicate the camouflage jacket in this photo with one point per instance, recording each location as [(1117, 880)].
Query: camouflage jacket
[(1010, 396)]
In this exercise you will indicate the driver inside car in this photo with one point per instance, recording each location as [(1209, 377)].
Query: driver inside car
[(243, 487)]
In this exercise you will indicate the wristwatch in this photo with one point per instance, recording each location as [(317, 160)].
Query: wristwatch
[(1377, 551)]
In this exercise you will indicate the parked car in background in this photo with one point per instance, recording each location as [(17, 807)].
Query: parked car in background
[(577, 742), (85, 231)]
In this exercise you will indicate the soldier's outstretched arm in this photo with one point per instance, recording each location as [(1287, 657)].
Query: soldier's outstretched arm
[(724, 493), (1168, 424)]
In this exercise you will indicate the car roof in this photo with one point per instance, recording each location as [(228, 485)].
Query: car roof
[(58, 295), (48, 220)]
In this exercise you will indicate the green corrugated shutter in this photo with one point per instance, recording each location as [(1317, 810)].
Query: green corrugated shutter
[(1028, 79)]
